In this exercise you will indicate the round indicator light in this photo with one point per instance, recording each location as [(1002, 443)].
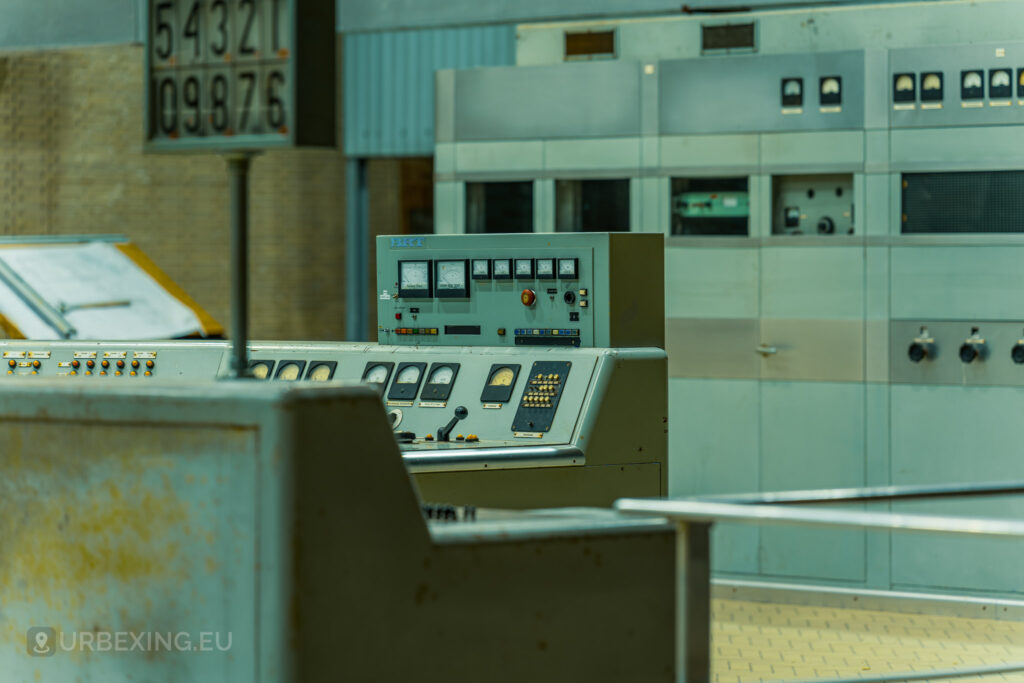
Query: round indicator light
[(90, 363), (135, 363), (105, 363), (75, 363), (120, 363), (12, 363), (150, 364)]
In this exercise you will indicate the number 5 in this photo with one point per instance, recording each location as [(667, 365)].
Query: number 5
[(163, 27)]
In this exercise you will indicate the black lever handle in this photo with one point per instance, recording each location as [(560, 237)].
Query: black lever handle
[(444, 432)]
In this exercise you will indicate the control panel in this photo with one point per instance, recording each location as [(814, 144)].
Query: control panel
[(455, 411), (574, 290)]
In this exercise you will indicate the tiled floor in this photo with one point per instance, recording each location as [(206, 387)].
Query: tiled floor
[(770, 642)]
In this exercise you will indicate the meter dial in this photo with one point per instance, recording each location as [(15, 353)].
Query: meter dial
[(451, 275), (289, 372), (320, 373), (378, 374), (502, 268), (524, 267), (830, 86), (414, 278), (904, 83), (503, 377), (408, 375), (792, 87), (972, 79), (442, 375), (1000, 78), (481, 269), (546, 268), (261, 369), (567, 268)]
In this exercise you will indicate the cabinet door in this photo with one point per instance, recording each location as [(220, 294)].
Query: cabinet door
[(812, 437), (713, 448), (946, 435)]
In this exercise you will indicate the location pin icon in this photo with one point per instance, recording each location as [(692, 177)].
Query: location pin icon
[(41, 640)]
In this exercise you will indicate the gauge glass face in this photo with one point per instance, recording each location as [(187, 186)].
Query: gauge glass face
[(1001, 78), (904, 82), (931, 82), (830, 86), (972, 79), (260, 370), (524, 267), (451, 275), (289, 373), (378, 374), (480, 267), (502, 267), (502, 378), (409, 375), (567, 267), (792, 87), (321, 373), (545, 266), (442, 375), (415, 275)]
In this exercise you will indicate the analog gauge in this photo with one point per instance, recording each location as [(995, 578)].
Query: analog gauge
[(414, 278), (451, 276), (932, 82), (904, 82), (502, 377), (567, 268), (261, 370), (545, 267), (289, 372), (408, 375), (502, 268), (972, 79), (481, 269), (1000, 78), (378, 374), (442, 375), (792, 87), (524, 267), (1020, 77), (830, 86), (320, 373)]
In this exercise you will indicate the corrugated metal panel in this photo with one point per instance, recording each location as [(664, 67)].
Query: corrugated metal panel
[(389, 83)]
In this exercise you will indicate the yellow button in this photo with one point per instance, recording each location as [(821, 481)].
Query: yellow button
[(148, 373), (133, 373), (118, 373)]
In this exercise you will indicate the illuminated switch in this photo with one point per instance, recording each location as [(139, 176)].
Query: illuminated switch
[(584, 303), (583, 292), (501, 331), (398, 316)]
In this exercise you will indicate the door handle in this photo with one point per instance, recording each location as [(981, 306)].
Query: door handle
[(765, 350)]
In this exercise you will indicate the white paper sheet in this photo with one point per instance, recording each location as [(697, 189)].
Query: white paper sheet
[(94, 274)]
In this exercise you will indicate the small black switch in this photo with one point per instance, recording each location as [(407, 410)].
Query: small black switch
[(1017, 353), (574, 316)]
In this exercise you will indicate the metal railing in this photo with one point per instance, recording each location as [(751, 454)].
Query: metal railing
[(695, 516)]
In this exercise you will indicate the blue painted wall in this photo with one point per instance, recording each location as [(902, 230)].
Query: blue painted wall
[(389, 83)]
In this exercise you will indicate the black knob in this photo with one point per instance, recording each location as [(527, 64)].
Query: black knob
[(1017, 353), (969, 353), (826, 226), (461, 412), (570, 298), (917, 352)]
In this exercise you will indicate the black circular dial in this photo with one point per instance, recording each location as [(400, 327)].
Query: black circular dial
[(1017, 353), (969, 353), (917, 352)]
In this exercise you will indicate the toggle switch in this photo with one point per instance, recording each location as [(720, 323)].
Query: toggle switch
[(973, 348), (922, 347)]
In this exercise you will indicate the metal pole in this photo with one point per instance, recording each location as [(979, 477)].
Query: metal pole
[(693, 602), (357, 250), (238, 170)]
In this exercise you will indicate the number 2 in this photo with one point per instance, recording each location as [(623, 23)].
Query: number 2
[(243, 46)]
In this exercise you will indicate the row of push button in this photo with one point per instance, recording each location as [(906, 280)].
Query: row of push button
[(416, 330), (547, 332)]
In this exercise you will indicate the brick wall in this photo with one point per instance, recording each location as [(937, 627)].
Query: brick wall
[(71, 162)]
